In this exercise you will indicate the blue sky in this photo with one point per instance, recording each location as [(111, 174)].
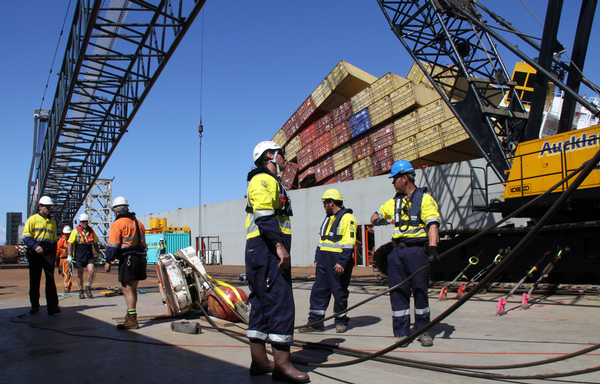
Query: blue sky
[(262, 59)]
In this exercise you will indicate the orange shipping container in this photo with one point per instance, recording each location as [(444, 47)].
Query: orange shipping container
[(383, 137), (305, 157), (341, 113), (322, 146), (340, 134), (306, 109), (291, 126), (308, 135), (324, 169), (324, 124), (289, 175), (383, 160), (344, 175)]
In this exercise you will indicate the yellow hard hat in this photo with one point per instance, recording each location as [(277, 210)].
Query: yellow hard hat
[(332, 194)]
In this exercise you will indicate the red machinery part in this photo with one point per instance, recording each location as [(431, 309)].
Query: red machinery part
[(219, 306)]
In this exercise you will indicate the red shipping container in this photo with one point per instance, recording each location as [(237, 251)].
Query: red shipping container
[(291, 126), (308, 135), (322, 146), (329, 180), (361, 149), (305, 156), (383, 137), (324, 124), (289, 175), (305, 110), (340, 134), (344, 175), (304, 177), (382, 161), (342, 113), (324, 168)]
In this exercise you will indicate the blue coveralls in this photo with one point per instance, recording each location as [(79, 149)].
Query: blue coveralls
[(410, 240), (268, 223), (336, 246)]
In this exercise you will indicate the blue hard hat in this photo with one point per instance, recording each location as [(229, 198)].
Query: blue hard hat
[(401, 167)]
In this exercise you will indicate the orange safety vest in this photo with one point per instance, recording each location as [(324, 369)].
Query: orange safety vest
[(61, 247)]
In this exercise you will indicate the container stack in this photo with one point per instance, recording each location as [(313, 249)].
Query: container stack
[(355, 126)]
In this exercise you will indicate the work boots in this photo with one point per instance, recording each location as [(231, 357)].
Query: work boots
[(81, 294), (425, 339), (88, 291), (130, 322), (284, 370)]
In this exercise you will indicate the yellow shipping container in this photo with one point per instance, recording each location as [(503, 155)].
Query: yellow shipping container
[(429, 140), (406, 126), (386, 85), (362, 168), (362, 100), (293, 147), (433, 114), (380, 110), (410, 96), (322, 91), (453, 132), (342, 157), (405, 149), (541, 163), (415, 74), (347, 80), (280, 138)]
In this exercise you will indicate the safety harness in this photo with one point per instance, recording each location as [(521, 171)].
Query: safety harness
[(334, 232), (285, 208), (414, 214)]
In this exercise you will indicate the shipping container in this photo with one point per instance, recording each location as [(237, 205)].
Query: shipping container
[(344, 175), (280, 138), (322, 146), (380, 110), (308, 135), (292, 148), (362, 100), (175, 241), (411, 96), (342, 157), (453, 132), (433, 114), (342, 113), (307, 177), (305, 156), (359, 122), (347, 80), (415, 74), (324, 124), (383, 137), (288, 177), (386, 85), (362, 169), (291, 126), (406, 149), (361, 148), (321, 93), (382, 160), (429, 140), (306, 110), (406, 126), (340, 134), (324, 169)]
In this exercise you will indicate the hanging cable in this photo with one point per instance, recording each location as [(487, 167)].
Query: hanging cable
[(200, 131), (55, 52), (532, 14)]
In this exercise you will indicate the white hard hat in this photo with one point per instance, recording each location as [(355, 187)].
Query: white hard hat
[(67, 229), (263, 146), (84, 217), (162, 239), (120, 201), (45, 200)]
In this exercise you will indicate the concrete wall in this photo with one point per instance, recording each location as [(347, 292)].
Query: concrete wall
[(449, 184)]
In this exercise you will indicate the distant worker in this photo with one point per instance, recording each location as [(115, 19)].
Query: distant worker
[(83, 244), (64, 265), (162, 247), (268, 271), (40, 235), (415, 239), (127, 243), (334, 261)]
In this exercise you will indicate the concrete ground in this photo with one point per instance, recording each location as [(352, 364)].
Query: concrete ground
[(82, 344)]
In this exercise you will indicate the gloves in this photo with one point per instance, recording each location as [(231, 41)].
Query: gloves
[(380, 222), (433, 255), (69, 259)]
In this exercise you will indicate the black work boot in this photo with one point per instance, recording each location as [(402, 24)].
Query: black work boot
[(88, 291), (81, 294)]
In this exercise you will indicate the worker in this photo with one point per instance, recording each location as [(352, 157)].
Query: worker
[(83, 244), (414, 238), (268, 271), (162, 247), (334, 260), (62, 253), (39, 235), (127, 243)]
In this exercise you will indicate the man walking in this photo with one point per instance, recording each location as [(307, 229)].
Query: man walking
[(334, 260), (127, 243), (39, 235), (83, 246), (64, 262), (415, 238), (268, 243)]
